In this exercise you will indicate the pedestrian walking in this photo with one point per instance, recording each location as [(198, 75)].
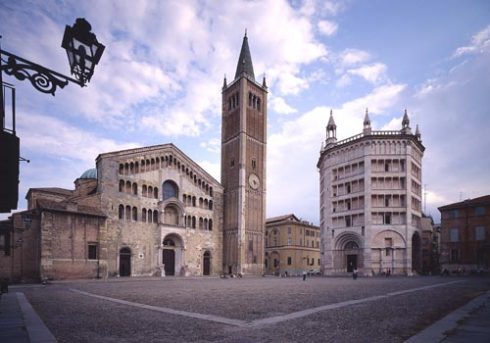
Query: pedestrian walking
[(354, 274), (304, 275)]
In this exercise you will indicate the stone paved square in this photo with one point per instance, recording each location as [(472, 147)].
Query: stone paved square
[(266, 309)]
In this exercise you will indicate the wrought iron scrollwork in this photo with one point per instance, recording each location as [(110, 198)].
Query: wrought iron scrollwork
[(43, 79)]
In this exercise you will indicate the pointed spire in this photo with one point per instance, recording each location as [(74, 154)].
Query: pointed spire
[(367, 124), (264, 84), (331, 121), (405, 121), (245, 65), (367, 121), (406, 124), (224, 82), (331, 130)]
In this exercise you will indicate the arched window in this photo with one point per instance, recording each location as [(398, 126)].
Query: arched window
[(135, 214), (258, 104), (121, 168), (128, 187), (210, 225), (201, 201), (126, 168), (206, 203), (150, 216), (155, 216), (143, 165), (131, 167), (155, 193), (193, 222), (121, 211), (121, 185), (169, 190), (150, 191), (184, 199), (205, 224), (135, 188), (194, 201), (211, 191), (210, 204), (143, 215), (143, 190), (136, 167), (201, 223)]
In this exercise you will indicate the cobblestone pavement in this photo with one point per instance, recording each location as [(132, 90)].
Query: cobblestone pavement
[(249, 309)]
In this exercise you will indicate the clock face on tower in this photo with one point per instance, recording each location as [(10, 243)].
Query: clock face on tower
[(253, 181)]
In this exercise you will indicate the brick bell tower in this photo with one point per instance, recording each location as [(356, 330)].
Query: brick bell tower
[(243, 168)]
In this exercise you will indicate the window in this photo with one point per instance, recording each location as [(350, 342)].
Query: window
[(454, 235), (480, 233), (479, 211), (290, 241), (453, 214), (254, 163), (387, 218), (121, 212), (318, 261), (347, 221), (289, 260), (92, 251), (169, 190)]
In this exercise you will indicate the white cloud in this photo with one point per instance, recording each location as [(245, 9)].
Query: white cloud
[(212, 145), (351, 57), (327, 28), (280, 106), (479, 42), (373, 73), (213, 168), (53, 138), (394, 124)]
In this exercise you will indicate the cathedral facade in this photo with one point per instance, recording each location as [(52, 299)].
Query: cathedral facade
[(153, 211), (370, 201)]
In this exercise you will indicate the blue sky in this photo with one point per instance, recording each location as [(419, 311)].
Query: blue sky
[(160, 79)]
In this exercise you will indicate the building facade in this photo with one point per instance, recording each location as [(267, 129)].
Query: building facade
[(465, 236), (152, 211), (292, 246), (370, 201), (243, 167)]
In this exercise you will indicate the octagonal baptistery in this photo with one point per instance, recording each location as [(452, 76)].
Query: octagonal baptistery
[(370, 201), (164, 213)]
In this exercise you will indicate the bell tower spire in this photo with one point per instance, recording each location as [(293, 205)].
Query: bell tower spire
[(244, 65)]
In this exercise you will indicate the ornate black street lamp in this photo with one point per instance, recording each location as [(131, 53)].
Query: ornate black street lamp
[(82, 48), (84, 52)]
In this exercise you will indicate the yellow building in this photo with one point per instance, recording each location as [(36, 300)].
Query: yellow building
[(291, 246)]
